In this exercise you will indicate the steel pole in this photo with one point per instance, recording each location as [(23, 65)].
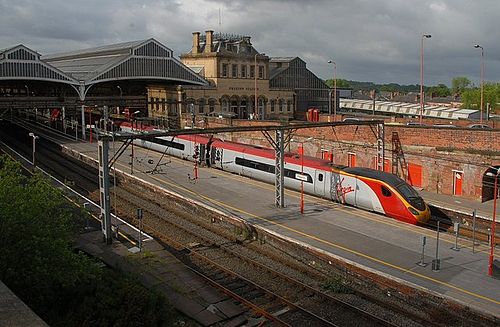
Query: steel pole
[(482, 86), (421, 79), (493, 222), (255, 78), (334, 91), (83, 123), (302, 180), (34, 144)]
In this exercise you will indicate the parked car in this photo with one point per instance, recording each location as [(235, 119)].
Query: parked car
[(479, 126), (414, 123), (351, 120), (445, 126)]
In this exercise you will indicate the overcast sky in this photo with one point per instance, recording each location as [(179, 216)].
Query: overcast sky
[(370, 40)]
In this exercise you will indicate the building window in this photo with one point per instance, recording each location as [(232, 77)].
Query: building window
[(252, 71), (224, 70), (273, 103), (225, 105), (235, 71), (261, 72), (281, 105), (211, 105), (201, 106), (243, 71), (289, 106)]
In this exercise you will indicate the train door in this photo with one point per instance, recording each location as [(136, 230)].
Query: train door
[(319, 183), (334, 184), (458, 177), (202, 154), (217, 155), (364, 195)]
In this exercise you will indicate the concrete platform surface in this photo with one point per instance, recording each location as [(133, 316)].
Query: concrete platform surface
[(370, 239)]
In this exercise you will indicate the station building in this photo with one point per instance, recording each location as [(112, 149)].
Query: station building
[(238, 74)]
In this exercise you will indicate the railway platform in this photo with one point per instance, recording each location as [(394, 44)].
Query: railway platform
[(158, 269), (14, 312), (368, 239)]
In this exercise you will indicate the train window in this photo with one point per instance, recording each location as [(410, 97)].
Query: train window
[(386, 191), (320, 177)]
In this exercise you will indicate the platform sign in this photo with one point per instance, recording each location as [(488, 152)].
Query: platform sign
[(301, 177), (90, 126)]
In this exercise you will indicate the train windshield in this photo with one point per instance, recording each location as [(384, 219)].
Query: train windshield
[(411, 196), (407, 191)]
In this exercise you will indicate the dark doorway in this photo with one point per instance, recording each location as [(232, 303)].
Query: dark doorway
[(488, 188)]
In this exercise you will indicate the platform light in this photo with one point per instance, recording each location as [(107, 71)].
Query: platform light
[(424, 36), (35, 137), (334, 91), (477, 46)]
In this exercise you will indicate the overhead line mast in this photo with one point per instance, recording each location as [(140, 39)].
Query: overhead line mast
[(279, 144)]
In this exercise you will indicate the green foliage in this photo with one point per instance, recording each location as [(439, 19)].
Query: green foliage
[(460, 84), (341, 83), (336, 285), (440, 90), (38, 262), (471, 98), (35, 247), (112, 301)]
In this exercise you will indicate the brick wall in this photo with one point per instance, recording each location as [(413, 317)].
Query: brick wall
[(439, 151)]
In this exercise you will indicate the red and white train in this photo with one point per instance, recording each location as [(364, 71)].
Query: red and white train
[(364, 188)]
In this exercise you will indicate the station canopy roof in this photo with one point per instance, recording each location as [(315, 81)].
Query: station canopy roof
[(147, 60), (143, 59), (22, 63), (408, 109)]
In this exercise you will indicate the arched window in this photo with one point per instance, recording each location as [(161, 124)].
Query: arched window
[(201, 105), (289, 105), (225, 105), (273, 104), (211, 105), (281, 105)]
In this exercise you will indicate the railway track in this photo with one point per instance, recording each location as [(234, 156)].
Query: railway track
[(209, 253), (271, 288)]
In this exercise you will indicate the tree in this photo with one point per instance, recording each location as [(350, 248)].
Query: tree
[(460, 84), (440, 90), (38, 263), (37, 231), (471, 98), (341, 83)]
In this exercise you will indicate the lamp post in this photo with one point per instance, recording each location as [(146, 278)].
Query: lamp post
[(477, 46), (35, 137), (121, 95), (132, 143), (334, 89), (493, 222), (424, 36), (302, 177), (255, 108)]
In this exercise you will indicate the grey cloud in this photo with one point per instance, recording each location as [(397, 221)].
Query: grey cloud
[(370, 40)]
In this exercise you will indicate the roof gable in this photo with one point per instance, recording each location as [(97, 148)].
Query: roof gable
[(19, 52)]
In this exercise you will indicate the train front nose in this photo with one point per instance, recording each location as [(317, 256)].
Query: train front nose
[(424, 216)]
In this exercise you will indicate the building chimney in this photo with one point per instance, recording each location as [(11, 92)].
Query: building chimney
[(196, 43), (208, 41)]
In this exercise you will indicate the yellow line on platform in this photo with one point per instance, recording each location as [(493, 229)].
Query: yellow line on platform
[(312, 237), (313, 199)]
